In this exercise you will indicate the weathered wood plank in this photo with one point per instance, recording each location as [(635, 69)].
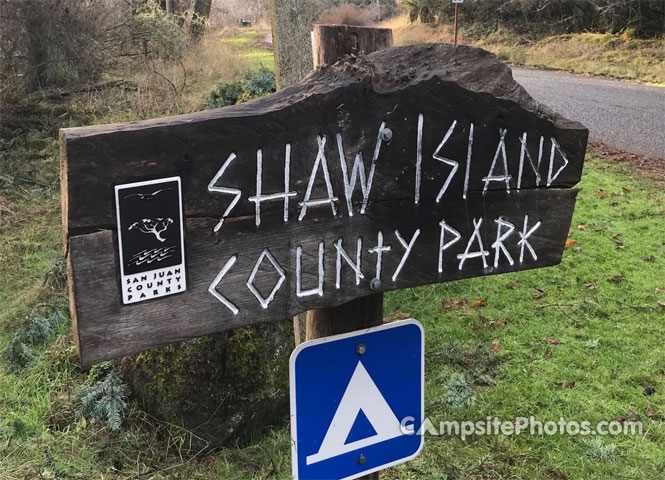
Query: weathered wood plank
[(386, 145), (107, 328), (464, 85)]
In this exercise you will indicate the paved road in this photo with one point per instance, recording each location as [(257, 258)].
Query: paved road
[(621, 114)]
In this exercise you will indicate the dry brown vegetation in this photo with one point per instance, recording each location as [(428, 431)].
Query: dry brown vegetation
[(406, 32), (348, 14), (172, 87), (601, 54), (619, 56)]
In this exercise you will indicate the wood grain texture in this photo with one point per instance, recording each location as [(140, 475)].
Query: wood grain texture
[(355, 315), (107, 328), (349, 100), (429, 96)]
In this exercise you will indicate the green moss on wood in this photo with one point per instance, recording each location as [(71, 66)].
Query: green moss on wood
[(225, 388)]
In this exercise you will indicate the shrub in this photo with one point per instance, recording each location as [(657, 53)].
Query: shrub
[(224, 95), (106, 400), (595, 449), (21, 351), (18, 355), (253, 85), (56, 276), (233, 398), (259, 83), (458, 393), (44, 42), (160, 33)]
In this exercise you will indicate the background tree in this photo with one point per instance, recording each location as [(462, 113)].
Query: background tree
[(172, 7), (200, 18), (60, 43), (545, 17)]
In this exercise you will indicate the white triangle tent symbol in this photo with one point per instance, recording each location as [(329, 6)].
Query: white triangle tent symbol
[(361, 394)]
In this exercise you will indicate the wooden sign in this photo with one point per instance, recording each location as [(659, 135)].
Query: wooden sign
[(410, 166)]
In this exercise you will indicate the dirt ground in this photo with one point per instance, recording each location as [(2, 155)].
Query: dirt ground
[(653, 167)]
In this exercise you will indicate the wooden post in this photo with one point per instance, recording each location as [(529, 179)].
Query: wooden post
[(456, 17), (300, 328), (355, 315), (330, 43)]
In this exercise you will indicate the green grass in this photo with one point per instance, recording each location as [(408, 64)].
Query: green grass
[(621, 228), (527, 376), (29, 246), (624, 317), (249, 43)]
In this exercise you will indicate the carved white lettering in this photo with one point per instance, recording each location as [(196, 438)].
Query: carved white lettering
[(556, 147), (265, 301), (500, 150), (447, 161), (379, 249), (341, 253), (272, 196), (407, 250), (443, 245), (501, 236), (419, 157), (312, 291), (524, 236), (213, 286), (469, 151), (331, 199), (232, 191), (463, 257), (358, 172), (524, 151)]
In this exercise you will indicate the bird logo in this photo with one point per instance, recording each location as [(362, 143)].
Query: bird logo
[(148, 196)]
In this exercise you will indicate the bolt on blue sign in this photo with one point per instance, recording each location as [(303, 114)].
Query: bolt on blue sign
[(355, 398)]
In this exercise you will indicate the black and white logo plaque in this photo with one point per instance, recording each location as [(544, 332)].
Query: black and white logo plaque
[(150, 239)]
